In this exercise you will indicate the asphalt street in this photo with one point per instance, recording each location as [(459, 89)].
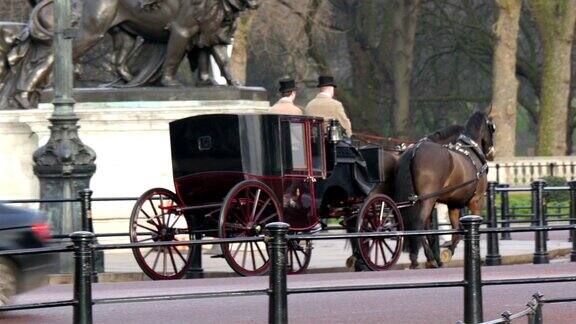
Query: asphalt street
[(443, 305)]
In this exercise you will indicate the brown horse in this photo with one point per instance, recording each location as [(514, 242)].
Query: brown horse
[(453, 174), (390, 158)]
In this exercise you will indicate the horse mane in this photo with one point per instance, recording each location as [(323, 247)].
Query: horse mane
[(445, 133), (474, 125)]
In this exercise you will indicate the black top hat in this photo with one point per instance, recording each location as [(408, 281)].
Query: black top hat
[(325, 81), (287, 85)]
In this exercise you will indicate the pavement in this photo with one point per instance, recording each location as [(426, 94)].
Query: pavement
[(328, 256)]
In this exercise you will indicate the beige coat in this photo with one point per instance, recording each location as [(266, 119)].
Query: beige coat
[(285, 107), (326, 107)]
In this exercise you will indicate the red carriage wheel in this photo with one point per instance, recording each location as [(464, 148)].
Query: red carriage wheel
[(380, 214), (155, 218), (299, 255), (246, 210)]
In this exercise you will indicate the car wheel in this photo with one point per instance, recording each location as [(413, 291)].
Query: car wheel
[(7, 280)]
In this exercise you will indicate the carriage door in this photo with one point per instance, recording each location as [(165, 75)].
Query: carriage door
[(298, 182)]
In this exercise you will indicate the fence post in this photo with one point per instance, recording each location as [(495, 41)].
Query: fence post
[(85, 196), (505, 210), (83, 250), (497, 172), (493, 251), (540, 251), (536, 317), (86, 202), (572, 185), (278, 295), (473, 312)]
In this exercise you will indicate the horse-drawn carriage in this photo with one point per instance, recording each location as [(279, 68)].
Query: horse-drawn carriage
[(234, 174)]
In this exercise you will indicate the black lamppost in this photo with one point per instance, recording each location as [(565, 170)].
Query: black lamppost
[(64, 165)]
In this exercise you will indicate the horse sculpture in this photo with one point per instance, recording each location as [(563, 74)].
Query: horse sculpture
[(454, 174), (197, 25)]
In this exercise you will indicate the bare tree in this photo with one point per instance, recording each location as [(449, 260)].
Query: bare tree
[(555, 20), (504, 82), (404, 34)]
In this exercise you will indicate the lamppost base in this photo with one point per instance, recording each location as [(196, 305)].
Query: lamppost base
[(541, 258), (493, 260)]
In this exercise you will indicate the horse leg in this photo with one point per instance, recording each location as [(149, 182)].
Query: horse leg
[(220, 53), (123, 44), (454, 214), (204, 76), (432, 260), (180, 36)]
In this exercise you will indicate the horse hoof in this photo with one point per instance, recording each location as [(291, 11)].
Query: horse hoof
[(446, 256), (350, 262), (169, 82), (414, 266), (431, 265)]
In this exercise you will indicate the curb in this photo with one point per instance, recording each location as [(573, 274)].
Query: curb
[(108, 277)]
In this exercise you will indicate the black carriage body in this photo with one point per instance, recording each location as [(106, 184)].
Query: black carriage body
[(212, 153), (234, 174)]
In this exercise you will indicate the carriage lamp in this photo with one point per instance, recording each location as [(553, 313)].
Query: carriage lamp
[(335, 131)]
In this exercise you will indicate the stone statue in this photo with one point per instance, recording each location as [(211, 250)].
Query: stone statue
[(169, 29)]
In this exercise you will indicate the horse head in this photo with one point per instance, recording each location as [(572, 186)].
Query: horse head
[(481, 129)]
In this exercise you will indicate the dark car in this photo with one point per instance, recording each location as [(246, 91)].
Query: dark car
[(22, 229)]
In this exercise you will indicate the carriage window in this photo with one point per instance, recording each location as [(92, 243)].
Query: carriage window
[(317, 146), (297, 146)]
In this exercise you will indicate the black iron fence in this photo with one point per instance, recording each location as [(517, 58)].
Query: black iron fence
[(83, 246), (538, 217)]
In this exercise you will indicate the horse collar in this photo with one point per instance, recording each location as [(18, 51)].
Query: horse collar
[(473, 145)]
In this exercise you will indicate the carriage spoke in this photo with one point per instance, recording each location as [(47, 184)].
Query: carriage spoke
[(161, 208), (180, 255), (175, 221), (297, 259), (153, 207), (147, 228), (237, 250), (262, 209), (265, 220), (148, 216), (172, 258), (375, 252), (164, 263), (148, 253), (382, 250), (371, 246), (261, 254), (256, 200), (253, 256), (244, 256), (381, 211), (388, 247), (156, 260)]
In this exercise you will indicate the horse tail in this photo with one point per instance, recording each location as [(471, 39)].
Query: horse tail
[(403, 191)]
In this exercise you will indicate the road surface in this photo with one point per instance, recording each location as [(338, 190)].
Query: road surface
[(443, 305)]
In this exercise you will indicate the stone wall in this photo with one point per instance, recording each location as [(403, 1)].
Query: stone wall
[(14, 10)]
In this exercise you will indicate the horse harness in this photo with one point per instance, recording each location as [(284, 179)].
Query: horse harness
[(466, 146)]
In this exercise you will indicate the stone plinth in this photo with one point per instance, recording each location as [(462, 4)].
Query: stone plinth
[(131, 141)]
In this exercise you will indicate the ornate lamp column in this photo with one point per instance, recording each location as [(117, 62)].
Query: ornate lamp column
[(64, 165)]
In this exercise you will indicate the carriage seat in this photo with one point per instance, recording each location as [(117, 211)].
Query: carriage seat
[(349, 154)]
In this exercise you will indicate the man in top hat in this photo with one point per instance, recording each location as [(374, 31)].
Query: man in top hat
[(286, 106), (324, 105)]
